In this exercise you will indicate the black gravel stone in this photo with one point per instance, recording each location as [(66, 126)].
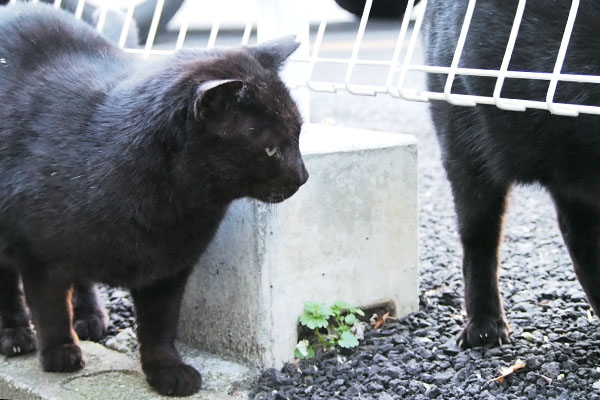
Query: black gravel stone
[(534, 363), (443, 377), (375, 387), (433, 392), (552, 370)]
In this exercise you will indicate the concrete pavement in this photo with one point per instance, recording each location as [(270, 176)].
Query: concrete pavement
[(115, 375)]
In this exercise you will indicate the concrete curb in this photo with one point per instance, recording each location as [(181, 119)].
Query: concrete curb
[(113, 375)]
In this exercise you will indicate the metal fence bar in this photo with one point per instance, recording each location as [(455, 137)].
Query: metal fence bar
[(214, 31), (182, 32), (540, 105), (355, 50), (311, 84), (499, 101), (148, 53), (280, 17), (494, 73), (102, 17), (555, 109), (247, 32), (126, 25), (153, 28), (393, 91), (404, 92), (450, 98), (79, 9)]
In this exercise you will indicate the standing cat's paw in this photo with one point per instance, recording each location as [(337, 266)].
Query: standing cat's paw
[(483, 331), (179, 380), (91, 327), (17, 341), (63, 358)]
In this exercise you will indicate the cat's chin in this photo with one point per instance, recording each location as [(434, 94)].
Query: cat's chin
[(276, 197)]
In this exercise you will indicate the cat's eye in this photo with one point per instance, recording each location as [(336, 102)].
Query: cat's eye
[(271, 151)]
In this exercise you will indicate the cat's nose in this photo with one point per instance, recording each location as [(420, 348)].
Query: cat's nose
[(302, 174)]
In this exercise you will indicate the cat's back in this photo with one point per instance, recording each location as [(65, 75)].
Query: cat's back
[(531, 146), (55, 71), (31, 35)]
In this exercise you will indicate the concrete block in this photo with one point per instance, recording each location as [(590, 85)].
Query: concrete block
[(350, 233)]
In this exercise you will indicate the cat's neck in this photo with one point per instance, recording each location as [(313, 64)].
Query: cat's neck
[(149, 102)]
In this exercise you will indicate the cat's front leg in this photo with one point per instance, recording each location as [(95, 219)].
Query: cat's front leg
[(157, 310), (49, 299), (16, 334)]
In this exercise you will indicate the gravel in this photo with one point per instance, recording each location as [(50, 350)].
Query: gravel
[(417, 358), (121, 314)]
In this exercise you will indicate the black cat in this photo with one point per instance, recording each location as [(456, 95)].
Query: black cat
[(119, 170), (486, 150)]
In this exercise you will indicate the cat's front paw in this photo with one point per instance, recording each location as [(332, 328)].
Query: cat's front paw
[(17, 341), (483, 331), (91, 327), (63, 358), (178, 380)]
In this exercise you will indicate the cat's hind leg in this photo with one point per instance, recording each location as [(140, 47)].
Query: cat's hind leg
[(16, 334), (89, 316), (579, 223), (49, 299)]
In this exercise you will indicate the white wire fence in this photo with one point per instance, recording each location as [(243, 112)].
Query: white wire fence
[(324, 68)]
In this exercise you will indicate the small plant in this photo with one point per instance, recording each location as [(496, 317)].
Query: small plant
[(331, 325)]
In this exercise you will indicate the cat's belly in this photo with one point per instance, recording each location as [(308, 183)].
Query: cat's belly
[(140, 270), (137, 262), (125, 259)]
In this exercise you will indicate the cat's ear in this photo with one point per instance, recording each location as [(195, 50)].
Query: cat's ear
[(273, 53), (216, 94)]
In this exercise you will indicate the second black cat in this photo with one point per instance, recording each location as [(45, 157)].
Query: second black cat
[(486, 150), (119, 170)]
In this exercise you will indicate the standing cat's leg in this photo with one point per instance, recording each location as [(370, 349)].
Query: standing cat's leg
[(16, 335), (480, 209), (90, 318), (157, 310), (49, 299), (580, 226)]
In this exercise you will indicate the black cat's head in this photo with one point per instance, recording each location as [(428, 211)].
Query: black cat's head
[(250, 125)]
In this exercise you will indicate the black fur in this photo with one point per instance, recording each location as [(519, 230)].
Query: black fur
[(113, 22), (487, 150), (90, 319), (119, 170)]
